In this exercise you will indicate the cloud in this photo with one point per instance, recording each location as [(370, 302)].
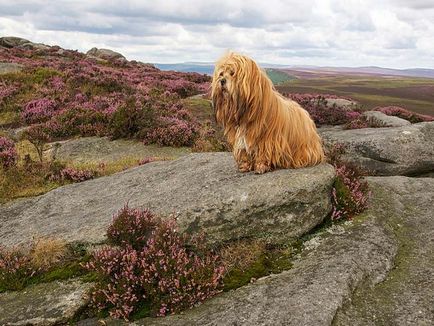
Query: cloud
[(394, 33)]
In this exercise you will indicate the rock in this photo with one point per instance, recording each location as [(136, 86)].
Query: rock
[(204, 191), (12, 41), (381, 119), (341, 102), (10, 67), (308, 294), (385, 256), (406, 295), (102, 149), (105, 54), (407, 150), (21, 43), (43, 304)]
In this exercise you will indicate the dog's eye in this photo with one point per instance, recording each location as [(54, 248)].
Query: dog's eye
[(221, 74), (232, 73)]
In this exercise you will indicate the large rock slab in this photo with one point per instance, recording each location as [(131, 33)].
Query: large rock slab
[(385, 256), (43, 304), (102, 149), (204, 191), (407, 150), (406, 296)]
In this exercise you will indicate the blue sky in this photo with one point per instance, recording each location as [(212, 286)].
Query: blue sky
[(388, 33)]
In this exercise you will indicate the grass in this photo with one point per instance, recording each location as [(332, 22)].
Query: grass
[(248, 260), (279, 77)]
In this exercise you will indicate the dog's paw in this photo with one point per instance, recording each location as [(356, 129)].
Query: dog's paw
[(244, 167), (261, 168)]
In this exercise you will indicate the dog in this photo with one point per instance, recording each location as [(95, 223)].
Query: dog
[(264, 130)]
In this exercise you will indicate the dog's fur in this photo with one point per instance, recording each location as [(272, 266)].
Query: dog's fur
[(264, 129)]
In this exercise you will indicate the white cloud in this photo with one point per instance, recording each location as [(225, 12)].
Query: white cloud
[(392, 33)]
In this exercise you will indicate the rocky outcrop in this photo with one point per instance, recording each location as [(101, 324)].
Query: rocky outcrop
[(406, 296), (21, 43), (43, 304), (380, 119), (10, 67), (407, 150), (204, 191), (395, 232), (105, 54), (102, 149)]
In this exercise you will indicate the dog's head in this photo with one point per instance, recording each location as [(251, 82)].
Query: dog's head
[(237, 81)]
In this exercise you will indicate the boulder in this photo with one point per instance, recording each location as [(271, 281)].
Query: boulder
[(12, 41), (376, 270), (341, 102), (21, 43), (407, 150), (205, 192), (10, 67), (384, 120), (105, 54), (43, 304)]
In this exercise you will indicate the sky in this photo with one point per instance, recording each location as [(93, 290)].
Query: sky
[(387, 33)]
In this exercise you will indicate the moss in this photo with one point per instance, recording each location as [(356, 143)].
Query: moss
[(272, 261)]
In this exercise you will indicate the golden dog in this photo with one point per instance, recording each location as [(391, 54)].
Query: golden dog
[(264, 129)]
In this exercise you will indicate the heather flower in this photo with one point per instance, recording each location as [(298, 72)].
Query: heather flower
[(172, 132), (8, 153), (404, 114), (321, 112), (350, 193), (15, 269), (37, 111), (153, 263)]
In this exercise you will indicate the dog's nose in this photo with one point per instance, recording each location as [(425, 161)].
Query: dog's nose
[(223, 82)]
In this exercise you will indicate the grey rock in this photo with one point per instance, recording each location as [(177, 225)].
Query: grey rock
[(385, 256), (102, 149), (407, 150), (105, 54), (384, 120), (10, 67), (43, 304), (341, 102), (308, 294), (12, 41), (204, 191), (406, 295), (21, 43)]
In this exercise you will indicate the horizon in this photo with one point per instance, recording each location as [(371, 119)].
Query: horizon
[(395, 34)]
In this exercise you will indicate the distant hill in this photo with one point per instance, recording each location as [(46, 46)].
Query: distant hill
[(208, 67)]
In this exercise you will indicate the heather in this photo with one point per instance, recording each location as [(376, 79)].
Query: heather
[(73, 95), (324, 113), (154, 267), (350, 193), (404, 114), (8, 153)]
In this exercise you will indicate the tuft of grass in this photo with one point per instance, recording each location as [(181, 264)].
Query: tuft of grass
[(48, 252)]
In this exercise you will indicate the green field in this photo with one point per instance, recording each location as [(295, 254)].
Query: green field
[(416, 94), (278, 77)]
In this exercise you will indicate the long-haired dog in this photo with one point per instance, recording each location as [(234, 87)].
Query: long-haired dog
[(264, 129)]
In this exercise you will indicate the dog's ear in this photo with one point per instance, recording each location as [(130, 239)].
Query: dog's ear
[(242, 107)]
